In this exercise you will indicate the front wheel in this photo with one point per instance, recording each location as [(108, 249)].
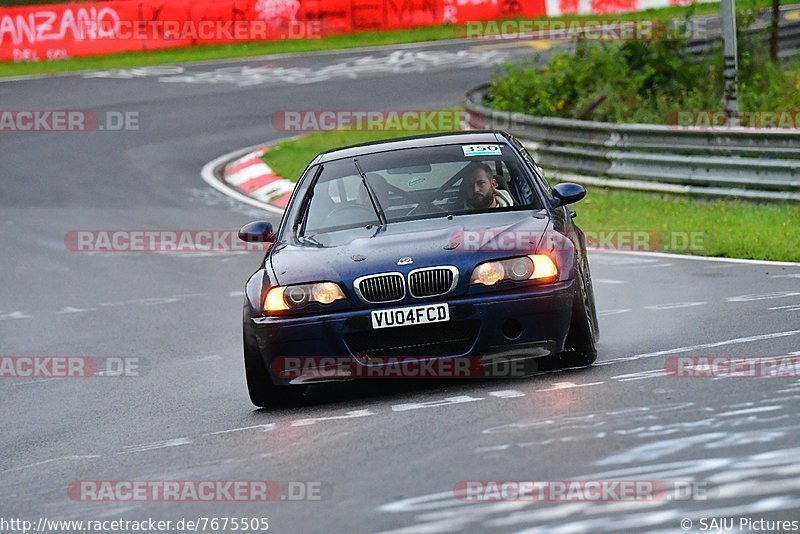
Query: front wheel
[(263, 391), (580, 349)]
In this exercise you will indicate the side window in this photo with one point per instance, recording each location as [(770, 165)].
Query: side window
[(540, 177), (519, 187), (524, 192), (537, 172)]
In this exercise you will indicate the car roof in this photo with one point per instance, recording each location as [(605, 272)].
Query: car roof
[(417, 141)]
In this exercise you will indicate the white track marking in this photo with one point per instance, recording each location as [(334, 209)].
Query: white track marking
[(674, 306), (45, 462), (494, 448), (166, 444), (152, 301), (249, 60), (14, 315), (793, 275), (643, 265), (748, 411), (790, 307), (434, 404), (569, 385), (694, 258), (763, 296), (40, 381), (641, 375), (618, 261), (613, 312), (262, 428), (348, 415), (607, 281), (507, 394), (70, 309), (690, 348), (398, 61)]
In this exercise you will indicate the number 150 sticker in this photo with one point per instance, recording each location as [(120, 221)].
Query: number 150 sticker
[(481, 150)]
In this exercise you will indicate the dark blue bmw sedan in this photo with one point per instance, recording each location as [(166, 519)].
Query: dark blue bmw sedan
[(430, 248)]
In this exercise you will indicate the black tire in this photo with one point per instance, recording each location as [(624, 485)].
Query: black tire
[(580, 349), (591, 306), (263, 391)]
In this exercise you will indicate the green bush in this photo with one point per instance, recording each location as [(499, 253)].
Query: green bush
[(642, 81)]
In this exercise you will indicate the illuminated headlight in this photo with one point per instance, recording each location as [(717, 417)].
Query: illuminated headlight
[(293, 297), (533, 267)]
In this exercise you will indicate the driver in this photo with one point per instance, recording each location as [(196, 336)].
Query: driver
[(479, 189)]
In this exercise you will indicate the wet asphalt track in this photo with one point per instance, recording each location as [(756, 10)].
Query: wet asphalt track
[(389, 456)]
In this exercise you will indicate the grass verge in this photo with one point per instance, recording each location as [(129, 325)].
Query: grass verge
[(724, 228), (335, 42)]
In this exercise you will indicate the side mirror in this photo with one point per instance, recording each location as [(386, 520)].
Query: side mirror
[(569, 193), (257, 232)]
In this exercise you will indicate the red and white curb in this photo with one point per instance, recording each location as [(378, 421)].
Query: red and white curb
[(254, 178), (244, 176)]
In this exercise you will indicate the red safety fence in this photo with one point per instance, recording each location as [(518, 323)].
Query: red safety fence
[(47, 32)]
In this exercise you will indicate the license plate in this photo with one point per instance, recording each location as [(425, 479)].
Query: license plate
[(432, 313)]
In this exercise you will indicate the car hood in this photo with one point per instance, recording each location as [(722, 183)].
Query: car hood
[(462, 241)]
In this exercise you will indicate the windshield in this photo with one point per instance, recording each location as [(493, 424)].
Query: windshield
[(416, 183)]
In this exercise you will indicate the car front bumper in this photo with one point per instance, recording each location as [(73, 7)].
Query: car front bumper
[(489, 327)]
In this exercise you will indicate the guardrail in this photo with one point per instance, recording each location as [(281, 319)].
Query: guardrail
[(743, 162), (788, 37)]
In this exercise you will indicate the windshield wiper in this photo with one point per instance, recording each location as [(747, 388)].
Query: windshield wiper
[(372, 197), (312, 239)]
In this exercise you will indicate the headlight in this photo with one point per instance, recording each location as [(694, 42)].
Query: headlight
[(533, 267), (293, 297)]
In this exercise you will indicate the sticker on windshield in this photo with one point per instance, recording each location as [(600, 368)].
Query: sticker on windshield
[(481, 150)]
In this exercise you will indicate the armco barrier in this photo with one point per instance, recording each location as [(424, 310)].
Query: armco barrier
[(751, 163), (788, 36), (57, 31)]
